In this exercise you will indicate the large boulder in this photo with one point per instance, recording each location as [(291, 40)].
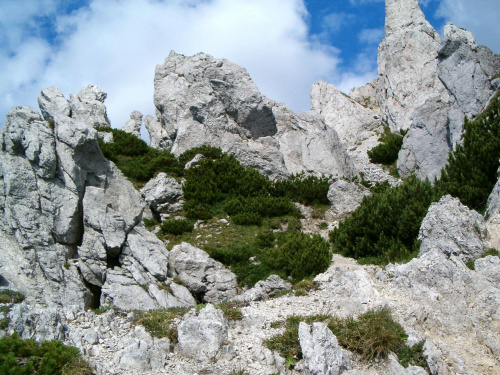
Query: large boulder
[(264, 289), (201, 336), (163, 194), (88, 107), (453, 229), (203, 100), (203, 276)]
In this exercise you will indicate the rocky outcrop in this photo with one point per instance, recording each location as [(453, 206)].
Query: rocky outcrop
[(70, 220), (203, 276), (160, 136), (202, 335), (367, 95), (202, 100), (428, 85), (322, 353), (88, 107), (163, 195), (453, 229), (133, 126)]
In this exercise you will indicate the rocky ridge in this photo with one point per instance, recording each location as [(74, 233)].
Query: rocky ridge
[(71, 236)]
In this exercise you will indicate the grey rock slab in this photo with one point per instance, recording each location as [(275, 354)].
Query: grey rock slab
[(345, 197), (202, 336), (53, 104), (321, 351), (264, 289)]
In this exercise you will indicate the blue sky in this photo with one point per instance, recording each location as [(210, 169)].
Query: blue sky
[(286, 45)]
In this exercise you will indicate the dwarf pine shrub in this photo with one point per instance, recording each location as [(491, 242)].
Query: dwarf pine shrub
[(387, 152), (18, 356), (176, 227)]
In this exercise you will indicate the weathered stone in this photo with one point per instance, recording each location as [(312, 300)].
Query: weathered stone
[(453, 229), (133, 126), (202, 336), (161, 137), (194, 162), (143, 352), (88, 107), (322, 353), (52, 103), (367, 95), (163, 194), (202, 275)]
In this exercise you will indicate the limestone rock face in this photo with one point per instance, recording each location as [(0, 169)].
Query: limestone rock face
[(358, 128), (69, 224), (367, 95), (492, 215), (203, 100), (322, 353), (161, 136), (133, 126), (202, 336), (345, 197), (428, 85), (202, 275), (453, 229), (406, 86)]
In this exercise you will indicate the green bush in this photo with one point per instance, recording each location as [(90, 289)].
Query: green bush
[(197, 211), (385, 226), (300, 255), (19, 356), (264, 206), (308, 190), (387, 152), (177, 227), (247, 218)]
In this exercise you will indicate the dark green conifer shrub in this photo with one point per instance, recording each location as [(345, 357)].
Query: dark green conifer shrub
[(177, 227), (247, 218), (385, 226), (387, 152), (300, 255), (303, 189), (19, 356), (472, 169)]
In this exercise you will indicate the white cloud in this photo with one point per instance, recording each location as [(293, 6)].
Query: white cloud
[(481, 17), (371, 36), (333, 22), (116, 44)]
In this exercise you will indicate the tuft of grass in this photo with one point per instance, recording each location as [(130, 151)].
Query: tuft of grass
[(10, 296), (287, 343), (303, 287), (150, 223), (232, 310), (373, 335), (159, 323), (177, 227), (101, 309)]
